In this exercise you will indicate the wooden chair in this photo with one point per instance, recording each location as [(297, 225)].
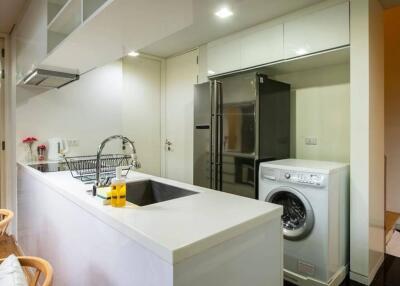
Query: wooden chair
[(7, 242), (41, 268), (5, 219)]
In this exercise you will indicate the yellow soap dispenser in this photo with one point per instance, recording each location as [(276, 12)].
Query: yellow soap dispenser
[(118, 189)]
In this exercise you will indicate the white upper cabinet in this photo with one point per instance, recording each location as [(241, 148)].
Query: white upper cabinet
[(224, 55), (111, 29), (79, 35), (256, 46), (262, 46), (318, 31), (64, 22), (314, 29), (30, 38)]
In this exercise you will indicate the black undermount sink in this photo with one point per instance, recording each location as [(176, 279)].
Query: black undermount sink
[(143, 193)]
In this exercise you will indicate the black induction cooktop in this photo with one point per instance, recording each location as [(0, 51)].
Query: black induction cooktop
[(50, 167)]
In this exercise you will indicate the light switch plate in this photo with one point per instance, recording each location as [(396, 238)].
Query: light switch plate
[(311, 141)]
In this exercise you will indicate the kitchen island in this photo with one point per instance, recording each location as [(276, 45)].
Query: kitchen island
[(209, 238)]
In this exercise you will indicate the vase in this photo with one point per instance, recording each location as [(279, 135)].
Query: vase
[(41, 154), (29, 154)]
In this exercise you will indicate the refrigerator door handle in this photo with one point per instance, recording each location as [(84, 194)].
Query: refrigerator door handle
[(215, 119), (212, 136), (219, 134), (216, 136)]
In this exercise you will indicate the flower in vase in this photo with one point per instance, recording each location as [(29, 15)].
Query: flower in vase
[(29, 141), (41, 149)]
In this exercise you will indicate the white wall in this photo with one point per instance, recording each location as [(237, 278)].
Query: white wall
[(366, 149), (320, 102), (141, 108), (120, 98), (88, 110)]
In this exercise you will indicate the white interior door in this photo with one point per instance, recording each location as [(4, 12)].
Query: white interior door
[(181, 75), (2, 119)]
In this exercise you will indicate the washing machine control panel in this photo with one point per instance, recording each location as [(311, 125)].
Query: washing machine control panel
[(304, 178)]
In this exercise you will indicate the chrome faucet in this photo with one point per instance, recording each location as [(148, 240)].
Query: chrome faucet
[(135, 162)]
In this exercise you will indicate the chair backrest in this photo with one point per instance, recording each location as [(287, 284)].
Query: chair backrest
[(5, 219), (41, 268)]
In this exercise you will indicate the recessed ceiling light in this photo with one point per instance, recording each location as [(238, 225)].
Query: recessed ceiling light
[(210, 72), (224, 12), (133, 54)]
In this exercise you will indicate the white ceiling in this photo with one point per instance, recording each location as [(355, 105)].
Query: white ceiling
[(207, 27), (9, 13), (390, 3)]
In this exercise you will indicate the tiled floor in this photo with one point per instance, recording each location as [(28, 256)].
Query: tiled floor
[(388, 274)]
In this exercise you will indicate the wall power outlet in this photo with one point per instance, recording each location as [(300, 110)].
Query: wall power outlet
[(73, 142), (311, 141)]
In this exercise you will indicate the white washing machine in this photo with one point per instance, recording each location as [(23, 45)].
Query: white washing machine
[(315, 197)]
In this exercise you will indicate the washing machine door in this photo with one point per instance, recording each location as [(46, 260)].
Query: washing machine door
[(298, 215)]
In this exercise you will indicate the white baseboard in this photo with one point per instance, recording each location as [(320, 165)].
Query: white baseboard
[(364, 279), (359, 278)]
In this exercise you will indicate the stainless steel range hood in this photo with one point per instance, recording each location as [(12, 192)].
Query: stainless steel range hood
[(49, 79)]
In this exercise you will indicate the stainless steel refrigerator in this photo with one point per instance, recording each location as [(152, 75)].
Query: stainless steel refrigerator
[(239, 121)]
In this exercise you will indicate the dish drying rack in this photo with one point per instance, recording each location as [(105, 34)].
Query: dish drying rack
[(84, 167)]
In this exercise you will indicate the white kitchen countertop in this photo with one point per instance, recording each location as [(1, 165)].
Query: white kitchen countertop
[(174, 229)]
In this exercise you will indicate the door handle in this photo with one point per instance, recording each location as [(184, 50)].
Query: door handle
[(168, 144)]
